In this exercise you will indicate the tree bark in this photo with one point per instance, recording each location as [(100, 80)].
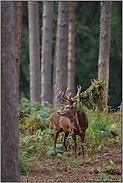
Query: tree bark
[(61, 50), (34, 51), (9, 95), (19, 34), (71, 49), (104, 47), (16, 41), (46, 60)]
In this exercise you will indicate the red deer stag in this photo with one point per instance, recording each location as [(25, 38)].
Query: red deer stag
[(69, 119)]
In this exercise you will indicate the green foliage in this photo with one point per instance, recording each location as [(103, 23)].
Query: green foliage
[(39, 165), (33, 116), (22, 167), (24, 107), (34, 122), (50, 150), (98, 126), (94, 95), (103, 178), (58, 175), (66, 160), (99, 130)]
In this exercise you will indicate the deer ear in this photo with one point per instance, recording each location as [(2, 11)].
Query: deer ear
[(74, 104)]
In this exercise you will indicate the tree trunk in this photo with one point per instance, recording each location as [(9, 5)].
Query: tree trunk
[(34, 51), (104, 47), (71, 49), (16, 41), (46, 60), (61, 50), (19, 34), (9, 95)]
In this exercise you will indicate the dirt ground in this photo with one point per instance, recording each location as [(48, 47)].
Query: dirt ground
[(107, 163)]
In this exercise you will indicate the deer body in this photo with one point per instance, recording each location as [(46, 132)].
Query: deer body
[(60, 124), (72, 121)]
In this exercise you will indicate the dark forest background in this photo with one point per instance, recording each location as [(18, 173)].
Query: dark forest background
[(87, 30)]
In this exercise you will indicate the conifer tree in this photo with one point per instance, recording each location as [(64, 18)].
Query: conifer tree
[(34, 51), (61, 50), (9, 94), (46, 59), (104, 47), (71, 49)]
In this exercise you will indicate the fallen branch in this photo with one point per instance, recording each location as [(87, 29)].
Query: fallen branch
[(106, 154)]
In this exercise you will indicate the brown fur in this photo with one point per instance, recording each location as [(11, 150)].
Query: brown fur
[(76, 125)]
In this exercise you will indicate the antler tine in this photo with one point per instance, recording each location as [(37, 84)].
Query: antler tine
[(78, 93), (59, 93), (79, 90), (62, 97), (68, 95)]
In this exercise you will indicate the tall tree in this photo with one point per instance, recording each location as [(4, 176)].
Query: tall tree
[(46, 59), (71, 49), (34, 51), (104, 47), (9, 94), (61, 55)]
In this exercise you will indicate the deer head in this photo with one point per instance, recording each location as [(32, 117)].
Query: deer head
[(69, 109)]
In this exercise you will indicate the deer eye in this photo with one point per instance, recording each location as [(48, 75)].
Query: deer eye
[(67, 107)]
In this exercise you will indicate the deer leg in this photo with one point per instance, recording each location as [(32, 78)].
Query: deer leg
[(82, 141), (64, 137), (54, 141), (75, 145)]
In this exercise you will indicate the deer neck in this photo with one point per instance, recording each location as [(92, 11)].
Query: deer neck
[(75, 123), (78, 120), (73, 120)]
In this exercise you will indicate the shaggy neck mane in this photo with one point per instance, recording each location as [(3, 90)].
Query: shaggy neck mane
[(75, 119)]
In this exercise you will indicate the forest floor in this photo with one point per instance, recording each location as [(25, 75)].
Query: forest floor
[(104, 166)]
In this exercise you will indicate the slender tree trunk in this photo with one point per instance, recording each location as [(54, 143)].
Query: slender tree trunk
[(34, 51), (46, 60), (61, 50), (71, 49), (9, 94), (104, 47), (19, 34), (54, 75)]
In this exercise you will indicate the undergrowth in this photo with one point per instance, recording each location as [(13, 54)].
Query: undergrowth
[(36, 135)]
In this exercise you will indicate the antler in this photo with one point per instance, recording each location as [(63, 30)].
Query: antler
[(64, 96), (61, 97), (67, 98), (74, 99)]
